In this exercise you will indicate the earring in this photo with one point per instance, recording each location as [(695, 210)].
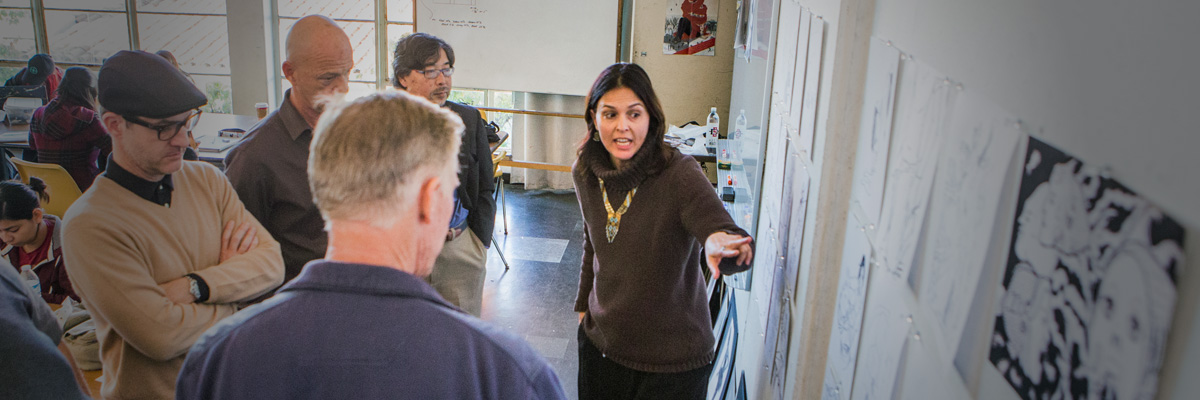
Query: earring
[(596, 136)]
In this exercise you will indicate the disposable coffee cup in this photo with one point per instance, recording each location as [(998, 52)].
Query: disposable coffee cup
[(261, 108)]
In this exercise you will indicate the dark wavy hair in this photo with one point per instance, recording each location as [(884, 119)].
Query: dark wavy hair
[(78, 87), (633, 77), (415, 51), (18, 200)]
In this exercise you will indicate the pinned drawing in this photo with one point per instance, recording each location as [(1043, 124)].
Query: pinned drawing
[(887, 326), (923, 104), (783, 288), (975, 158), (1090, 285), (722, 373), (785, 58), (875, 130), (812, 83), (691, 27), (848, 313)]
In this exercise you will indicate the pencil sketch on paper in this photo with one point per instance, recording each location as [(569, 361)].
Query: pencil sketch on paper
[(885, 336), (974, 161), (1090, 286), (718, 381), (785, 56), (923, 105), (783, 283), (875, 129), (848, 312), (812, 83), (799, 66)]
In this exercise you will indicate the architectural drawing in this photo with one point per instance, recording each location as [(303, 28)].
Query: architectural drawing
[(800, 66), (848, 313), (722, 372), (974, 160), (1090, 285), (812, 83), (923, 105), (785, 58), (875, 130), (886, 332)]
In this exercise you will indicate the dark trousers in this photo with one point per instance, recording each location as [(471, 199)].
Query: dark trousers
[(601, 378)]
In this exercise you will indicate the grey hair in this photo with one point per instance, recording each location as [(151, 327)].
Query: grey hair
[(370, 154)]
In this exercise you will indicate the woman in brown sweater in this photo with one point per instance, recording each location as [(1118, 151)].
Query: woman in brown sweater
[(645, 329)]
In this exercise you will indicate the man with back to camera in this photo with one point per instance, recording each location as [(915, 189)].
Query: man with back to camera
[(361, 323), (268, 169), (159, 249), (423, 66)]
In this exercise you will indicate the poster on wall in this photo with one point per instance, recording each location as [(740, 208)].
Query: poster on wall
[(1090, 285), (691, 27), (745, 28)]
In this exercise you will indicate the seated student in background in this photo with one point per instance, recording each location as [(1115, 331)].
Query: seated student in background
[(158, 248), (361, 323), (40, 70), (32, 237), (68, 132), (31, 367)]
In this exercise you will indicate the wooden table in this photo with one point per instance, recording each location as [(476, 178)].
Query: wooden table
[(15, 136)]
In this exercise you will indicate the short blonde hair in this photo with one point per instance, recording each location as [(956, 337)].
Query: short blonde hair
[(373, 151)]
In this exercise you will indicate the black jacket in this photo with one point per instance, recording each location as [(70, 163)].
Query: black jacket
[(476, 183)]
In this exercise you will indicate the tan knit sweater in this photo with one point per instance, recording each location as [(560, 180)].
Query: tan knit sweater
[(120, 247)]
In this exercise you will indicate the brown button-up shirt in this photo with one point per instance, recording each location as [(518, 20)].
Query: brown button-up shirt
[(269, 170)]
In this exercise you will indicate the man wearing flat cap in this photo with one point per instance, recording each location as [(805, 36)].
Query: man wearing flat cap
[(161, 249)]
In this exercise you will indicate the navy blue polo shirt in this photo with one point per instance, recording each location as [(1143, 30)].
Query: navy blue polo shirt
[(344, 330)]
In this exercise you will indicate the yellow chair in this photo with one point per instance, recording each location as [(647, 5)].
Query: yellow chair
[(497, 174), (59, 185)]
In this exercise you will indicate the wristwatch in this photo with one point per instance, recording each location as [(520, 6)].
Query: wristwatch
[(194, 287)]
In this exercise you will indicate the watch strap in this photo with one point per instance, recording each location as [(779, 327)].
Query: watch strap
[(199, 288)]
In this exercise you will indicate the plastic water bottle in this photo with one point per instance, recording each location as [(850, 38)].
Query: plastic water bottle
[(735, 143), (714, 129), (31, 279)]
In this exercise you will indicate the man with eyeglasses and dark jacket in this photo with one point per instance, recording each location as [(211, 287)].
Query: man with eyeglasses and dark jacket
[(423, 67)]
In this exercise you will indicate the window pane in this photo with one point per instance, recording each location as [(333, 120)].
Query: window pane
[(395, 33), (362, 39), (346, 9), (8, 72), (14, 3), (502, 99), (183, 6), (106, 5), (467, 96), (86, 37), (400, 10), (17, 41), (219, 90), (357, 89), (200, 43)]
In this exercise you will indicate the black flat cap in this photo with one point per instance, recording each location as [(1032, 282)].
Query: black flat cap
[(137, 83)]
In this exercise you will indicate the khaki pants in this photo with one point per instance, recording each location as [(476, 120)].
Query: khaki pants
[(459, 271)]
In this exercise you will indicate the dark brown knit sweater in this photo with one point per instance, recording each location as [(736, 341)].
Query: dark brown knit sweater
[(644, 293)]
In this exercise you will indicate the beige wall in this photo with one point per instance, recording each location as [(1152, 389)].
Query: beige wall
[(687, 86)]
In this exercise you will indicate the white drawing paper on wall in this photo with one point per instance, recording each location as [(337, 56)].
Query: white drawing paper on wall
[(886, 330), (1090, 286), (974, 160), (790, 231), (848, 313), (812, 83), (922, 112), (785, 58), (798, 79), (875, 130)]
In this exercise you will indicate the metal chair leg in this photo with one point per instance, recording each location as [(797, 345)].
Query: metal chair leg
[(500, 252)]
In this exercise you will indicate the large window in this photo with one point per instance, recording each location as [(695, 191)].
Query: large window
[(79, 33), (361, 20)]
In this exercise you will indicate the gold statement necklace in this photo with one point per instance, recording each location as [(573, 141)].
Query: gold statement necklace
[(614, 217)]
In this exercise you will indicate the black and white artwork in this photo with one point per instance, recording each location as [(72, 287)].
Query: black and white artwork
[(1090, 285), (722, 373)]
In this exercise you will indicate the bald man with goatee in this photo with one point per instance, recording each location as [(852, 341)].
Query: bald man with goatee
[(269, 169)]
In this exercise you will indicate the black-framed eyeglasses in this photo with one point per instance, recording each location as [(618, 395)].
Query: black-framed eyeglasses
[(169, 130), (433, 73)]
